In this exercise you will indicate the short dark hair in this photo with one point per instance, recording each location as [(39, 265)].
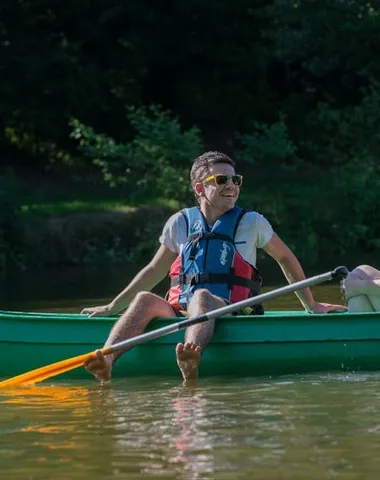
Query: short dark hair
[(201, 165)]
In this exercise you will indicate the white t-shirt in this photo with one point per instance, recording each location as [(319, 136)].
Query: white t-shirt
[(254, 231)]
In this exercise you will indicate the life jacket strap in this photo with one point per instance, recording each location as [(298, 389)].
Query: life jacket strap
[(228, 278), (208, 235)]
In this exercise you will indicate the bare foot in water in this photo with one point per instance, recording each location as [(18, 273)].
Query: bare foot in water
[(188, 357), (100, 366)]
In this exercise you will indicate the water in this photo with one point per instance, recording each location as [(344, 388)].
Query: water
[(312, 427), (320, 426)]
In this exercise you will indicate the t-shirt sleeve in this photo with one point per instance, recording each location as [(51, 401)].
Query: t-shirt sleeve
[(264, 230), (174, 233)]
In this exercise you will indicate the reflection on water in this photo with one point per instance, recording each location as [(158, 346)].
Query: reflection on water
[(315, 426), (45, 396)]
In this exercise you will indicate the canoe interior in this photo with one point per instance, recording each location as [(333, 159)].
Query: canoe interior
[(274, 344)]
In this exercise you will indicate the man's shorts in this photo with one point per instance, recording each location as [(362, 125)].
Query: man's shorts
[(254, 310)]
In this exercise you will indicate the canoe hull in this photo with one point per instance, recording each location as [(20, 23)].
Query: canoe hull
[(275, 344)]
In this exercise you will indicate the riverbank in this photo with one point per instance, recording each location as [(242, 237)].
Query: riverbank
[(113, 236), (57, 221)]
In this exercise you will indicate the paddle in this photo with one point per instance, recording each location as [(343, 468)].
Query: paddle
[(57, 368)]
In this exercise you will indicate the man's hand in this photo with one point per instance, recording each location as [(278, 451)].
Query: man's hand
[(100, 311), (327, 307)]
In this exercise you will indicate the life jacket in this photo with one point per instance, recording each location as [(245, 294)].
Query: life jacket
[(209, 259)]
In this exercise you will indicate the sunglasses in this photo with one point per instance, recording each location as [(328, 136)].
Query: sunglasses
[(223, 179)]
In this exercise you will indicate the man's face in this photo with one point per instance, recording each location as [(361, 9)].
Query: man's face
[(218, 191)]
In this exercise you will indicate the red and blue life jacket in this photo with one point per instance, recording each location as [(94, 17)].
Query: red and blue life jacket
[(210, 260)]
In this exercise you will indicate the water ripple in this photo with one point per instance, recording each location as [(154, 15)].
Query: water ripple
[(312, 426)]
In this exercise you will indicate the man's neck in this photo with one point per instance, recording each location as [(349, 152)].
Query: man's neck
[(211, 214)]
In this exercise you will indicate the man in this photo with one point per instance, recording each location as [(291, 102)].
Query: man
[(212, 253)]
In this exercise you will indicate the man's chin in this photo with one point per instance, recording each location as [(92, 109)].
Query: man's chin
[(230, 201)]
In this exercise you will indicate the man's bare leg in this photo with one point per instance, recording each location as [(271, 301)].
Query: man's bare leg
[(359, 303), (198, 336), (364, 303), (133, 322)]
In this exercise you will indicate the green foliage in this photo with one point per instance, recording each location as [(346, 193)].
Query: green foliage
[(347, 141), (268, 144), (339, 136), (83, 60), (324, 38), (328, 204), (155, 162), (314, 166)]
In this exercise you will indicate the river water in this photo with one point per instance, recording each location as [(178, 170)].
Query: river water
[(310, 427), (319, 426)]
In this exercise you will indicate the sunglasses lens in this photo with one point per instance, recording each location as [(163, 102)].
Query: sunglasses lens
[(221, 179), (237, 179)]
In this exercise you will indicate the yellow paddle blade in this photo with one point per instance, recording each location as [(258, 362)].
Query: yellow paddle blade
[(39, 374)]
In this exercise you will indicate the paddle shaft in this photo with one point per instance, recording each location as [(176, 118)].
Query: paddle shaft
[(339, 272)]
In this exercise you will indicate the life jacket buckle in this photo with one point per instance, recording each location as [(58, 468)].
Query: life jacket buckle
[(195, 279), (200, 278)]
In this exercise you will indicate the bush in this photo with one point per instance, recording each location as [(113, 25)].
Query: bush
[(155, 162), (268, 144)]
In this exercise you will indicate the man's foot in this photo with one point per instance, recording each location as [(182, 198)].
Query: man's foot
[(100, 366), (188, 357)]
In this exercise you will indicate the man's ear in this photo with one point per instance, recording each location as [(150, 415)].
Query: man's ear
[(198, 188)]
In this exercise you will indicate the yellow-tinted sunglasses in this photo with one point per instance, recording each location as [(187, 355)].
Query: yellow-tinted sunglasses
[(220, 179)]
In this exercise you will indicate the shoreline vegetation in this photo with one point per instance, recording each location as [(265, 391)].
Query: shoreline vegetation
[(79, 233), (47, 226)]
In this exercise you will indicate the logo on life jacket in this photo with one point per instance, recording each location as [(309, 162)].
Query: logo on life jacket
[(197, 226), (224, 253)]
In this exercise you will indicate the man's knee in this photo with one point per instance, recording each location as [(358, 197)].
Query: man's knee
[(149, 305), (146, 298), (365, 271), (203, 297)]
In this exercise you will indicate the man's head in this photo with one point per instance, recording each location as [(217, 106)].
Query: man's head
[(214, 181), (202, 165)]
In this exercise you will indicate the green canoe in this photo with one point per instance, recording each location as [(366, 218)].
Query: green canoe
[(274, 344)]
